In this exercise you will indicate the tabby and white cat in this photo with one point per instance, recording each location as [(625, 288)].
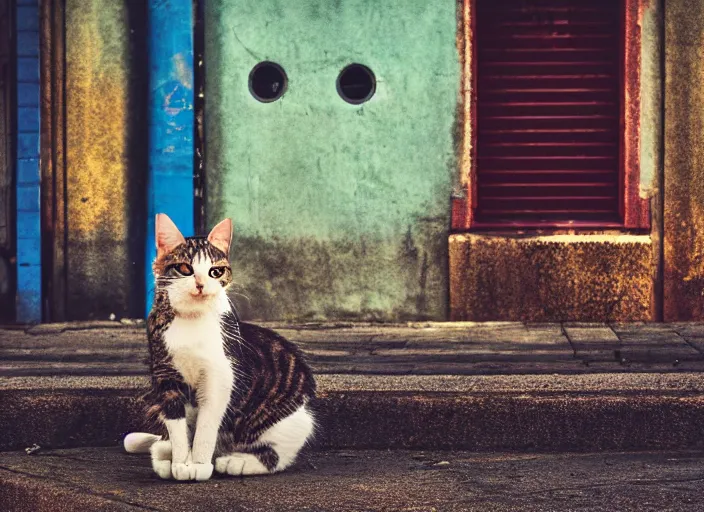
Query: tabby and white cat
[(220, 389)]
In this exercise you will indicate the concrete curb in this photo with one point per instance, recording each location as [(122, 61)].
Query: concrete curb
[(623, 417)]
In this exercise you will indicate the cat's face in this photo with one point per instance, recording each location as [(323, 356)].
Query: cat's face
[(193, 271)]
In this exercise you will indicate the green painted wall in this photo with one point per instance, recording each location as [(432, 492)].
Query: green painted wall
[(340, 211)]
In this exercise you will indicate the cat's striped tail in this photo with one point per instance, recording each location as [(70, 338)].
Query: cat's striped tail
[(139, 442)]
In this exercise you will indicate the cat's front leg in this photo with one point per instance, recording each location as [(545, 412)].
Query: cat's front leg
[(180, 447), (170, 399), (213, 399), (183, 465)]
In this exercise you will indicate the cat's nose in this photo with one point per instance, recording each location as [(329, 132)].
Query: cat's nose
[(199, 287)]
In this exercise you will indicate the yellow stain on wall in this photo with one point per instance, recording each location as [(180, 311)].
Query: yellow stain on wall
[(97, 77)]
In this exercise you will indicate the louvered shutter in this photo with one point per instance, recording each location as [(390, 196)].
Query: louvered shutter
[(548, 113)]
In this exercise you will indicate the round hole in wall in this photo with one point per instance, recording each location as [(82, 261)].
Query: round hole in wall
[(356, 84), (267, 81)]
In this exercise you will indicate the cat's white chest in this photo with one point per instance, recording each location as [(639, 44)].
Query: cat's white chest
[(196, 349)]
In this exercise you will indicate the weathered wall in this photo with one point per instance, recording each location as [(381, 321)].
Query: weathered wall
[(594, 278), (651, 137), (339, 210), (575, 276), (651, 99), (105, 141), (684, 160), (7, 249)]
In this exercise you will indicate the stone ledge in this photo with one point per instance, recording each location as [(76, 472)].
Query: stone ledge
[(560, 278)]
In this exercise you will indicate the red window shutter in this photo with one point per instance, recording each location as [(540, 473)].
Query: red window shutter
[(548, 111)]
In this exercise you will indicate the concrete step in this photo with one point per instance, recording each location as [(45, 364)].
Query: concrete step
[(100, 479), (472, 386), (633, 411)]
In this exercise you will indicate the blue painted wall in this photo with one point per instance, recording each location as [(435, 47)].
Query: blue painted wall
[(170, 188), (28, 179)]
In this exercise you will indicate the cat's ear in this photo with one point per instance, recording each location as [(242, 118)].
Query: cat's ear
[(168, 237), (221, 236)]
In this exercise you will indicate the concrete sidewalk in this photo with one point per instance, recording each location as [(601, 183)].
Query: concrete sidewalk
[(108, 480), (112, 348)]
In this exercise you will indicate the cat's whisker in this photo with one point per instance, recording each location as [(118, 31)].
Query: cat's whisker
[(246, 297)]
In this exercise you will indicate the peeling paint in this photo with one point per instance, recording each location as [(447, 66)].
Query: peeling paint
[(175, 102), (636, 213), (183, 72), (463, 189)]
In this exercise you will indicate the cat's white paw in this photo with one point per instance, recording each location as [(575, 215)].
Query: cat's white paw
[(240, 464), (162, 468), (191, 471), (229, 465), (203, 471), (161, 459)]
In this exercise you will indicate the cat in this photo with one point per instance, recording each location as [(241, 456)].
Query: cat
[(220, 389)]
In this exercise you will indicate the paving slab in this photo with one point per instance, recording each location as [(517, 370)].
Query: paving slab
[(697, 343), (647, 333), (107, 479), (662, 343), (593, 343), (693, 333), (591, 335), (689, 329), (673, 353)]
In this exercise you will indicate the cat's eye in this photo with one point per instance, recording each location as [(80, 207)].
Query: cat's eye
[(184, 269), (216, 272)]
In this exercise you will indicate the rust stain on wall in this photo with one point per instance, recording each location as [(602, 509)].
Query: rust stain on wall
[(553, 278), (684, 161), (465, 126), (636, 211)]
